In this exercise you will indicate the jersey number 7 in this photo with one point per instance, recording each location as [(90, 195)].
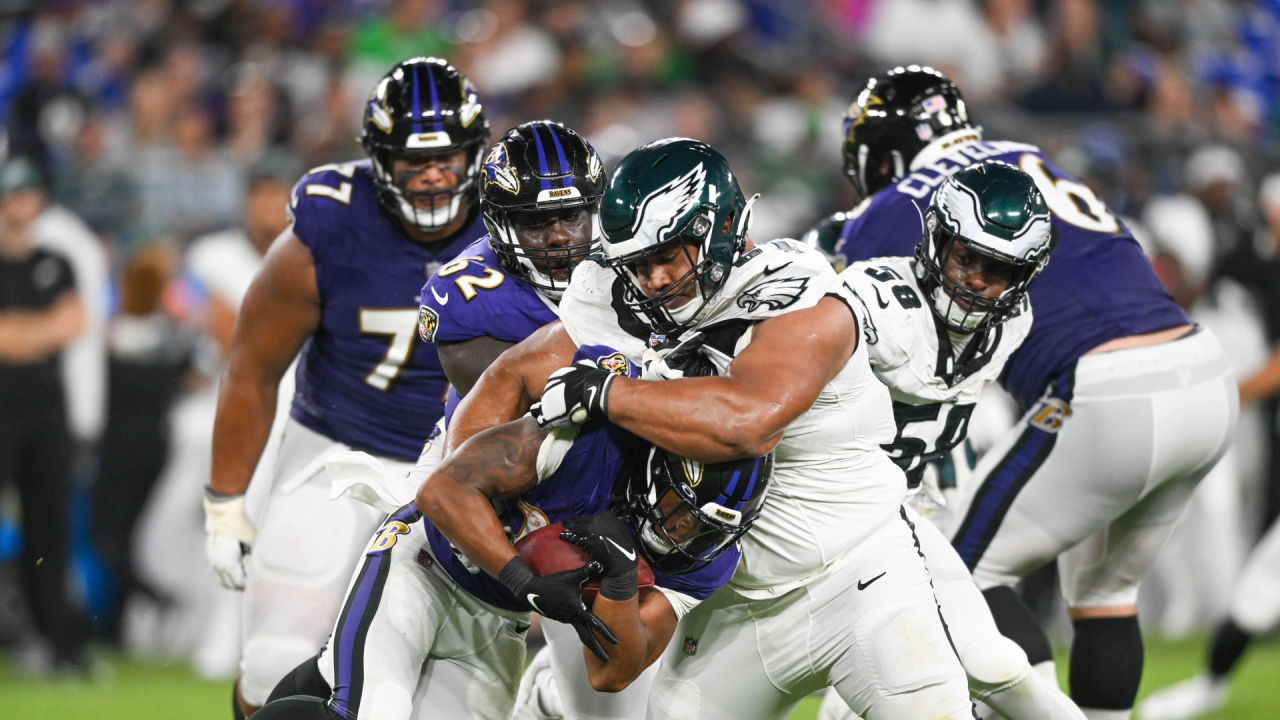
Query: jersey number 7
[(402, 325)]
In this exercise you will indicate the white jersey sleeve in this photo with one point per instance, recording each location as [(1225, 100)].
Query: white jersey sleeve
[(934, 390)]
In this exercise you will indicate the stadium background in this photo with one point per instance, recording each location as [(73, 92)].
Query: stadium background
[(152, 117)]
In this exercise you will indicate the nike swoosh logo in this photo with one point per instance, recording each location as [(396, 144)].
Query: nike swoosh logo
[(531, 597), (592, 398), (442, 300), (879, 299), (520, 629), (863, 584), (770, 271), (629, 555)]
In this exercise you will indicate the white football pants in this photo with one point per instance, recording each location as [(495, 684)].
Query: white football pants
[(302, 560), (1097, 473), (868, 625)]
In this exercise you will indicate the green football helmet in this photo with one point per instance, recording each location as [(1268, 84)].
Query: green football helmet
[(993, 210), (674, 191)]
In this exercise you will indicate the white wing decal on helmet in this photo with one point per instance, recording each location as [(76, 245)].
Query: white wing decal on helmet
[(665, 206), (773, 294)]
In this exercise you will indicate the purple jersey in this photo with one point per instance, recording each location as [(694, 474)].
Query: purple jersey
[(583, 484), (1098, 286), (364, 378), (473, 297)]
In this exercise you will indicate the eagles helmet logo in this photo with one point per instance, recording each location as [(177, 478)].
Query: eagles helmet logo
[(616, 364), (497, 170), (428, 323), (664, 207), (773, 294)]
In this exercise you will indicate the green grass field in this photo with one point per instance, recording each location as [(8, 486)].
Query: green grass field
[(134, 690)]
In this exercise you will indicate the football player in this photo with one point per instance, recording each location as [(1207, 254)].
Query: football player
[(988, 235), (1127, 404), (831, 589), (341, 285), (434, 619)]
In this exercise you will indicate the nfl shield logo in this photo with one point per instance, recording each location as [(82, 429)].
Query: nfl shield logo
[(656, 339), (690, 645)]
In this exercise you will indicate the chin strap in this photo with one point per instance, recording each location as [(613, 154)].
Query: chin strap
[(744, 222)]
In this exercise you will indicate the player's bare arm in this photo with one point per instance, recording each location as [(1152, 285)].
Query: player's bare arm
[(464, 362), (497, 463), (643, 625), (511, 383), (743, 413), (28, 336), (280, 311)]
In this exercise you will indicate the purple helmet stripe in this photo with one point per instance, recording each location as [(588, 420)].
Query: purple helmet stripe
[(567, 181), (542, 160)]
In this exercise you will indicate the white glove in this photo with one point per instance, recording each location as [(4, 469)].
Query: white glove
[(229, 538)]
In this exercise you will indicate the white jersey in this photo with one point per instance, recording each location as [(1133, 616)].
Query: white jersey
[(934, 388), (833, 486)]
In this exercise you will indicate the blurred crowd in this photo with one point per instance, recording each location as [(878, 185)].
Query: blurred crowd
[(167, 134)]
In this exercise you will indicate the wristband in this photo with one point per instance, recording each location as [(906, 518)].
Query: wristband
[(620, 587), (516, 575)]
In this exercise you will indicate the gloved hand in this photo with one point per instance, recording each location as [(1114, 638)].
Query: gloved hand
[(559, 597), (608, 541), (574, 395), (230, 537), (686, 359)]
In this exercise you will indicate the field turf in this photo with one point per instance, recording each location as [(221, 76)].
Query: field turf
[(138, 690)]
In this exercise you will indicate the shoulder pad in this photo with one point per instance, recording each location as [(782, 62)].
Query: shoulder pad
[(895, 309), (462, 298)]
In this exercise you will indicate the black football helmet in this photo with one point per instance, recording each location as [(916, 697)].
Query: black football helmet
[(687, 513), (540, 166), (424, 107), (896, 116)]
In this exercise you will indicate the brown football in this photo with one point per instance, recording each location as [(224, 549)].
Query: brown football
[(545, 553)]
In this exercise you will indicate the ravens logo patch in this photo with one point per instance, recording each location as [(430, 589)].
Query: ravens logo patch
[(428, 323), (616, 364)]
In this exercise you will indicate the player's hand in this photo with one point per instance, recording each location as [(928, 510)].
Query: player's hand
[(229, 538), (608, 541), (559, 597), (684, 360), (574, 395)]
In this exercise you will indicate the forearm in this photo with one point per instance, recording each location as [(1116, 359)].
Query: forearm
[(246, 409), (498, 463), (465, 516), (27, 336), (499, 397), (708, 419), (627, 659)]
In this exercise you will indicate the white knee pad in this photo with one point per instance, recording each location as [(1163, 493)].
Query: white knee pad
[(993, 662), (267, 659)]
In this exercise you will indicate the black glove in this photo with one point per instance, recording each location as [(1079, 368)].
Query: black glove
[(573, 395), (607, 540), (559, 597)]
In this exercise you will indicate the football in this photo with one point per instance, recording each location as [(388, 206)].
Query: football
[(546, 553)]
